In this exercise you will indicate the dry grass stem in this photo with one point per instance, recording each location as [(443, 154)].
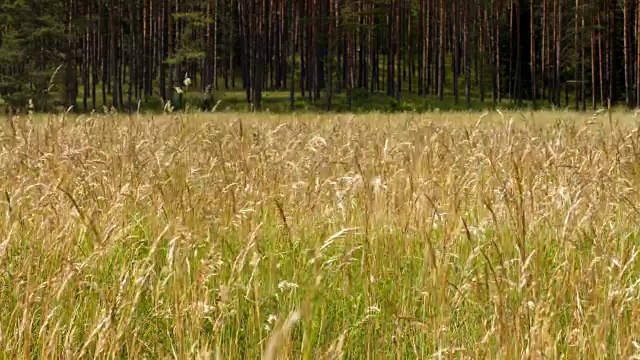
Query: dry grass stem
[(468, 235)]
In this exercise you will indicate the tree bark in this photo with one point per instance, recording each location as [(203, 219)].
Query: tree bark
[(638, 54), (627, 66), (467, 57), (456, 51), (532, 40), (441, 63), (558, 37), (518, 80)]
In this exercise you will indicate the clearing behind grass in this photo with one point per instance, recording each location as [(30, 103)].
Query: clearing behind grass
[(241, 236)]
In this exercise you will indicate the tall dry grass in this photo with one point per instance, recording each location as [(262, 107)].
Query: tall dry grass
[(241, 236)]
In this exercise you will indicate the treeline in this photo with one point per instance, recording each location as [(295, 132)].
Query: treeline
[(118, 52)]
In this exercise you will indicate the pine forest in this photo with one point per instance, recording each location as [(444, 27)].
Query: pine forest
[(87, 54)]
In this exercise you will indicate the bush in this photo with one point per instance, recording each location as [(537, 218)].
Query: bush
[(300, 104), (360, 95), (153, 103), (192, 101), (18, 101)]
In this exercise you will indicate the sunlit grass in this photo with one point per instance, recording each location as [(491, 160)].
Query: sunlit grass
[(240, 236)]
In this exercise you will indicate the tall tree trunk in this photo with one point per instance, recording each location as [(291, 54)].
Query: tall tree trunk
[(544, 53), (456, 51), (329, 63), (131, 55), (421, 40), (638, 54), (214, 71), (627, 66), (558, 36), (428, 52), (593, 65), (259, 52), (293, 30), (373, 50), (576, 63), (467, 57), (398, 42), (96, 60), (86, 56), (441, 62), (113, 52), (532, 40), (497, 45), (391, 48), (603, 83), (518, 80), (511, 78), (611, 50), (71, 79), (121, 66), (232, 31), (171, 36), (164, 50), (482, 41), (583, 78)]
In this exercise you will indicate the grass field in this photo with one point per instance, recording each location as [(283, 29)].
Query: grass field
[(239, 236)]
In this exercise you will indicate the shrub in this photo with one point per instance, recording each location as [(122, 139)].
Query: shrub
[(153, 103)]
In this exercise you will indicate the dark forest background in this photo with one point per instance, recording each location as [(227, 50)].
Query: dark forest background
[(329, 54)]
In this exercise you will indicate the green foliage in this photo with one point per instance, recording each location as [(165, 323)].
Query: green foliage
[(153, 103), (192, 100), (30, 50), (190, 48)]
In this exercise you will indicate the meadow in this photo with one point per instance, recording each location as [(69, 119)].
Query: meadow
[(245, 236)]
